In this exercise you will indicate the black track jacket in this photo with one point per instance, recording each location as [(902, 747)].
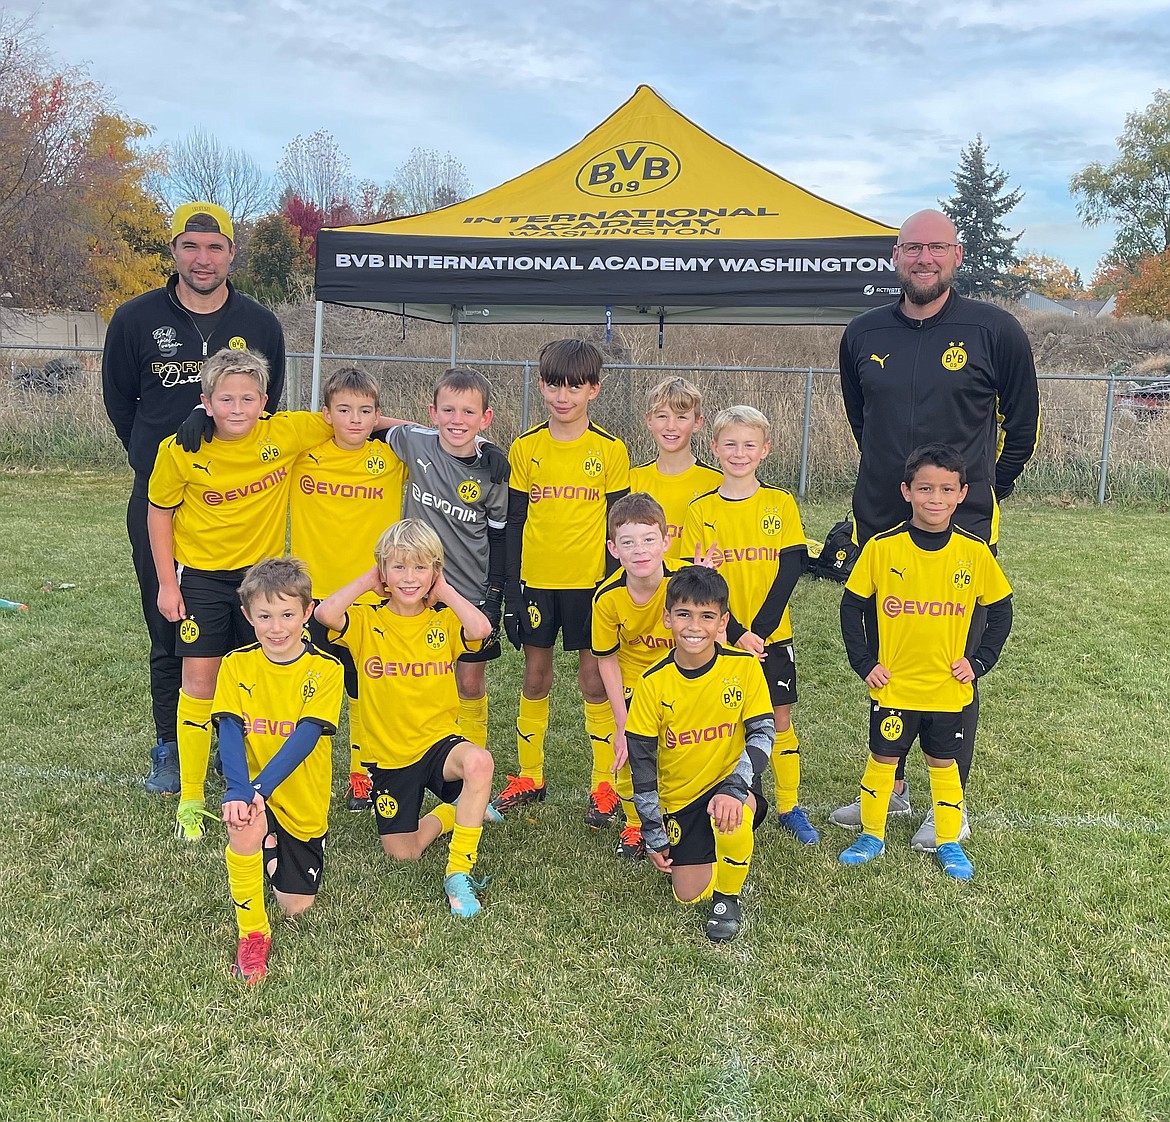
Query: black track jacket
[(964, 377)]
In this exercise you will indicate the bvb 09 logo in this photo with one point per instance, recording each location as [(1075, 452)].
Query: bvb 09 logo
[(961, 577), (892, 727), (534, 616), (309, 688), (732, 696), (469, 490), (188, 631), (771, 523), (387, 806), (592, 465), (236, 343), (637, 167), (673, 831), (375, 463), (269, 452), (954, 357), (436, 637)]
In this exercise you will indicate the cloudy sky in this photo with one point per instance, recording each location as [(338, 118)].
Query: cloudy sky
[(867, 103)]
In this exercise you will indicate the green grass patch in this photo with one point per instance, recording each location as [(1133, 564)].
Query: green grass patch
[(1039, 991)]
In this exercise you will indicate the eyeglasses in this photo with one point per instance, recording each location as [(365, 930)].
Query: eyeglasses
[(937, 249)]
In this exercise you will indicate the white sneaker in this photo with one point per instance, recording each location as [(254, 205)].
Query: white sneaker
[(849, 816), (923, 840)]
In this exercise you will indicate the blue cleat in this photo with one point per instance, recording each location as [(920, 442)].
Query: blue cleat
[(164, 769), (462, 894), (797, 824), (954, 861), (866, 848)]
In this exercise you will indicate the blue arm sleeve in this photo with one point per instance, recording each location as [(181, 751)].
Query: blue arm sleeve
[(293, 752), (234, 760)]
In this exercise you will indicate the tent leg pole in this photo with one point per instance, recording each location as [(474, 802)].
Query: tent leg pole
[(318, 334), (454, 334)]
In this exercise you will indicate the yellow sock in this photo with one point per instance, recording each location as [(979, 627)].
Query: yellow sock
[(733, 855), (624, 785), (946, 788), (473, 720), (531, 725), (194, 736), (786, 767), (464, 849), (600, 728), (704, 895), (356, 736), (445, 813), (246, 884), (876, 785)]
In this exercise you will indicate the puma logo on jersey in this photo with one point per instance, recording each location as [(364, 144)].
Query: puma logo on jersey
[(709, 525), (424, 464), (668, 705), (536, 461), (880, 361), (898, 572), (201, 467), (315, 459), (379, 631)]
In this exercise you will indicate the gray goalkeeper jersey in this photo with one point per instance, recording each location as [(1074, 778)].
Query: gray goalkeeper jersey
[(457, 499)]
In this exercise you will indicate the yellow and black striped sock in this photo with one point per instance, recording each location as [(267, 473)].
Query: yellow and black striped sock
[(473, 720), (733, 855), (786, 767), (246, 884), (876, 785), (946, 788), (531, 725), (464, 849), (600, 728), (194, 736)]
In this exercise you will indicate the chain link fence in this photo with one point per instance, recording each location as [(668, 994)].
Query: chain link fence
[(1100, 438)]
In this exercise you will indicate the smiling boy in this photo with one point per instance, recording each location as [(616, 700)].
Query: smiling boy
[(922, 581)]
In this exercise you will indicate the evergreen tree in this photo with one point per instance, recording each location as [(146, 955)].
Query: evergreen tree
[(977, 208)]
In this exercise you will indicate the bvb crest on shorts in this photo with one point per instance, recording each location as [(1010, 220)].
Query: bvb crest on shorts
[(892, 727), (534, 616), (386, 806), (188, 631), (673, 831)]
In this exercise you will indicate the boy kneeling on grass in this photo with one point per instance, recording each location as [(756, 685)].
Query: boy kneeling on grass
[(926, 576), (405, 649), (277, 702), (699, 734)]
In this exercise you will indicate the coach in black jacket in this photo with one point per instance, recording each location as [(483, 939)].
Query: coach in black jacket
[(155, 348), (936, 366)]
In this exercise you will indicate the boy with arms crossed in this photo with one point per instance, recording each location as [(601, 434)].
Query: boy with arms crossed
[(674, 413), (458, 485), (699, 734), (213, 514), (566, 473), (345, 492), (629, 629), (925, 577), (405, 648), (760, 538), (276, 704)]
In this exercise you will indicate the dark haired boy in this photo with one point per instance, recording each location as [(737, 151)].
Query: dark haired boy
[(566, 473), (699, 735), (924, 577)]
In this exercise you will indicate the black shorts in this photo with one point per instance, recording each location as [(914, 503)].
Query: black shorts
[(549, 610), (398, 792), (780, 673), (300, 865), (690, 833), (214, 623), (892, 731), (318, 634)]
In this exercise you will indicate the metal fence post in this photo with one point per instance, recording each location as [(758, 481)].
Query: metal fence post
[(524, 401), (802, 487), (1106, 440)]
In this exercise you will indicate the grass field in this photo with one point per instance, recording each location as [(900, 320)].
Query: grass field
[(1039, 991)]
